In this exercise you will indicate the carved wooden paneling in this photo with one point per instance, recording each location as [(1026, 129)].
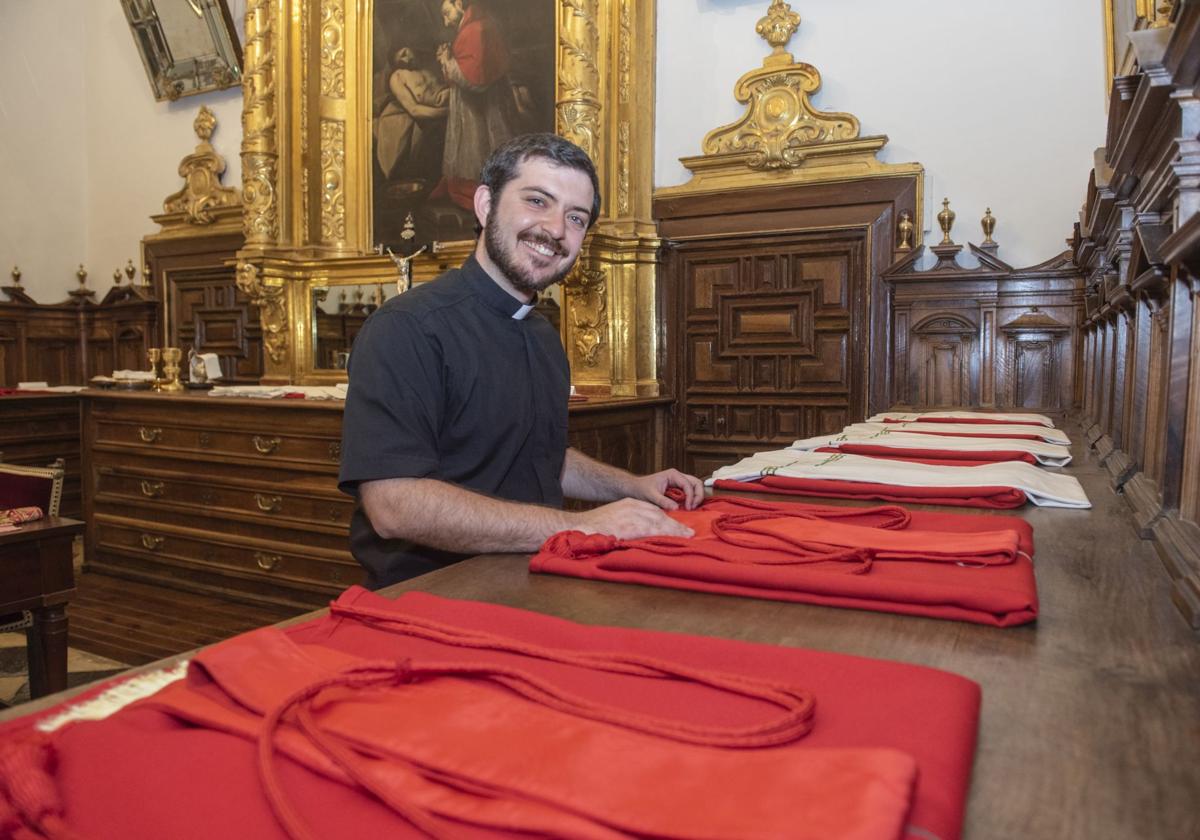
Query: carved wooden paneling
[(768, 335), (38, 429), (989, 337), (1138, 243), (207, 310), (68, 343), (775, 315)]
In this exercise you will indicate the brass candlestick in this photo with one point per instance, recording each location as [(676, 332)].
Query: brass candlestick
[(155, 356), (171, 357)]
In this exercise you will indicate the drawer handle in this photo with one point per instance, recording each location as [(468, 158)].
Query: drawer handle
[(149, 434), (265, 561), (152, 542), (270, 504), (266, 445), (153, 489)]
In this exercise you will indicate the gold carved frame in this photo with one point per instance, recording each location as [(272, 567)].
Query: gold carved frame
[(306, 181)]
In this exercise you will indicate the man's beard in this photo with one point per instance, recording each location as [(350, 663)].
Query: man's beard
[(505, 259)]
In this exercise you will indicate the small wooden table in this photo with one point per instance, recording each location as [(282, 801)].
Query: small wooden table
[(36, 574)]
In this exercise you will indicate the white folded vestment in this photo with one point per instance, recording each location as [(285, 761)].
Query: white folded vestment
[(1047, 489), (979, 430), (1046, 454), (963, 417)]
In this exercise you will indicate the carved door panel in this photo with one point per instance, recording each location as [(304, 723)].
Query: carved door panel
[(772, 341), (10, 362), (943, 374), (943, 362), (53, 360), (216, 317), (1033, 363)]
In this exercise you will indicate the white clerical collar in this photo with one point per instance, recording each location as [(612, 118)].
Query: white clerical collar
[(520, 314)]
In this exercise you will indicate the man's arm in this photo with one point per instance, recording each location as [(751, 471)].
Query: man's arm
[(442, 515), (593, 481)]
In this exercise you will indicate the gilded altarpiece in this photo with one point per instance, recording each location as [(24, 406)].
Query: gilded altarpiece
[(307, 179)]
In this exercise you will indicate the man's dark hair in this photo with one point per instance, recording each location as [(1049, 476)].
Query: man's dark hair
[(502, 165)]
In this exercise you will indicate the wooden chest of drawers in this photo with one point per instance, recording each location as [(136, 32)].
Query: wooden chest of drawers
[(232, 497), (238, 497)]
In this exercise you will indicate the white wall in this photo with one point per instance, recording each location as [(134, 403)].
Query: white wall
[(134, 144), (1003, 103), (43, 130), (86, 153), (966, 87)]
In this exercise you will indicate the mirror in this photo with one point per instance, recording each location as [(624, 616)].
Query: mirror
[(339, 314), (340, 310), (187, 46)]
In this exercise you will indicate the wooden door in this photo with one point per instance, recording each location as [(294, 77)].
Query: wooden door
[(771, 340)]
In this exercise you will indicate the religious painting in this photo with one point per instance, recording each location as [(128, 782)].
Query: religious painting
[(452, 80)]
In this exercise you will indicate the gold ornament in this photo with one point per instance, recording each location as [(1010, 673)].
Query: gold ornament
[(946, 221)]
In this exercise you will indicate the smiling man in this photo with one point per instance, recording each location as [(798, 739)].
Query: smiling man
[(455, 433)]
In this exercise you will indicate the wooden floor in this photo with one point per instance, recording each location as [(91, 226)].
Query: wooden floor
[(138, 623)]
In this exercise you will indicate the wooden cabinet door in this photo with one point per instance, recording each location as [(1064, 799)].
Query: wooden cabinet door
[(770, 340)]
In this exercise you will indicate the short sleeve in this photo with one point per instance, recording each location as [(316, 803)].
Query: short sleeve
[(393, 404)]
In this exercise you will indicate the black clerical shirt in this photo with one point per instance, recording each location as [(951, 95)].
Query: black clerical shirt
[(454, 380)]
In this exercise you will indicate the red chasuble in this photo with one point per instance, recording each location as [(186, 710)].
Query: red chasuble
[(969, 568), (997, 498), (430, 717), (932, 456)]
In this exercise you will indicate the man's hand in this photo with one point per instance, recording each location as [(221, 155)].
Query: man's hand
[(653, 488), (629, 519)]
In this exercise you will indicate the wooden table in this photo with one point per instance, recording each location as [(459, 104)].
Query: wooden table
[(1091, 716), (36, 574)]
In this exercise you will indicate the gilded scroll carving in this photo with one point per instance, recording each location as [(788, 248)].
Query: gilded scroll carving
[(333, 55), (624, 52), (270, 299), (587, 305), (780, 122), (333, 179), (578, 77), (306, 60), (623, 168), (201, 172), (259, 151), (778, 25)]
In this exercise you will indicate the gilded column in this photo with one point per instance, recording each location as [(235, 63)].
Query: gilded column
[(260, 155), (332, 132), (578, 106)]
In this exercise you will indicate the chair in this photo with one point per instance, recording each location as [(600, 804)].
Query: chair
[(23, 486)]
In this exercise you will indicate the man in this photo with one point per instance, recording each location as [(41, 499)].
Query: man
[(482, 109), (455, 432), (411, 115)]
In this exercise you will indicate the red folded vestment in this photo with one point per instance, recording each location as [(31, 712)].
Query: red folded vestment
[(976, 570), (1000, 498), (181, 764), (989, 421), (933, 456)]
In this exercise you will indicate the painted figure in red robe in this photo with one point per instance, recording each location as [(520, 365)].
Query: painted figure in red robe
[(483, 109)]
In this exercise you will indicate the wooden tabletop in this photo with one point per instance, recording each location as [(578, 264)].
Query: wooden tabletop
[(1091, 716)]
